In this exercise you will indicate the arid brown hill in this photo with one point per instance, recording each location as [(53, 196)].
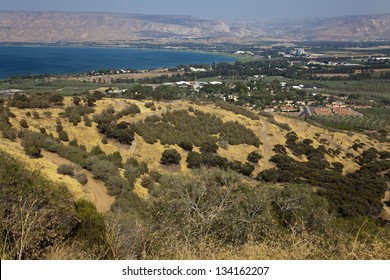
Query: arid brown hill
[(54, 27)]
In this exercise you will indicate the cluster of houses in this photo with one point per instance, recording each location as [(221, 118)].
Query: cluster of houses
[(245, 53), (293, 53), (329, 109)]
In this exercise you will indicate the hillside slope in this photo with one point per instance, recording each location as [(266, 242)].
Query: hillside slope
[(306, 195)]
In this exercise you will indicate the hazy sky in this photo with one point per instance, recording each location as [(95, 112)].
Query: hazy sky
[(228, 10)]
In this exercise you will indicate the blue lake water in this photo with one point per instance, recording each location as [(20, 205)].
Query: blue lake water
[(21, 61)]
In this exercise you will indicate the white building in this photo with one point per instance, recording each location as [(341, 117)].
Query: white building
[(196, 70), (183, 83)]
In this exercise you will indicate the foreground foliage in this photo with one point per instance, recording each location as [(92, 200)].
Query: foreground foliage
[(212, 214)]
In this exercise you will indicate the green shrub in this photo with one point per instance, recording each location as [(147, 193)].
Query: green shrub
[(23, 123), (149, 104), (116, 159), (48, 114), (63, 136), (186, 145), (91, 228), (59, 127), (90, 161), (148, 182), (32, 143), (131, 174), (115, 185), (143, 167), (254, 157), (170, 157), (42, 130), (244, 169), (196, 160), (35, 114), (76, 100), (155, 175), (65, 169), (73, 143), (131, 109), (8, 132), (384, 155), (87, 121), (209, 147), (97, 151), (103, 169), (81, 178)]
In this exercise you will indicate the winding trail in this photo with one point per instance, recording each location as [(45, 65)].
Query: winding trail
[(102, 200), (302, 126), (133, 146), (267, 149)]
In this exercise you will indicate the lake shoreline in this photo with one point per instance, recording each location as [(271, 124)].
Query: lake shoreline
[(56, 60)]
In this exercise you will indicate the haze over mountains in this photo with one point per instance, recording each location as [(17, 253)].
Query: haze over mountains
[(53, 27)]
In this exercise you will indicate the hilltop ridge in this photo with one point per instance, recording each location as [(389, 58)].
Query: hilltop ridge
[(57, 27)]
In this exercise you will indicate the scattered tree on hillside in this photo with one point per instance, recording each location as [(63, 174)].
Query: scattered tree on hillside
[(170, 157)]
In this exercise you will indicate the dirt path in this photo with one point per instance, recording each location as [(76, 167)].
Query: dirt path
[(102, 200), (267, 149), (302, 126), (133, 146), (119, 105)]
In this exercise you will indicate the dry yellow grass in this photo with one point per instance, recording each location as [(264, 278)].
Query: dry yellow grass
[(269, 134), (336, 140), (140, 190)]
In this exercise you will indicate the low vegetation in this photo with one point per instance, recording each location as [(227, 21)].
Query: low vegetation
[(200, 129), (197, 195)]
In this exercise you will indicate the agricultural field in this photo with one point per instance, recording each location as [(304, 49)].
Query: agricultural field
[(371, 120)]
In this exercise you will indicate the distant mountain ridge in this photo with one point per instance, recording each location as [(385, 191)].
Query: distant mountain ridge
[(104, 27), (53, 27), (363, 27)]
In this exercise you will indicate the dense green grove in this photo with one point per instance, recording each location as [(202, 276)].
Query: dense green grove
[(374, 119), (199, 128), (107, 123)]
